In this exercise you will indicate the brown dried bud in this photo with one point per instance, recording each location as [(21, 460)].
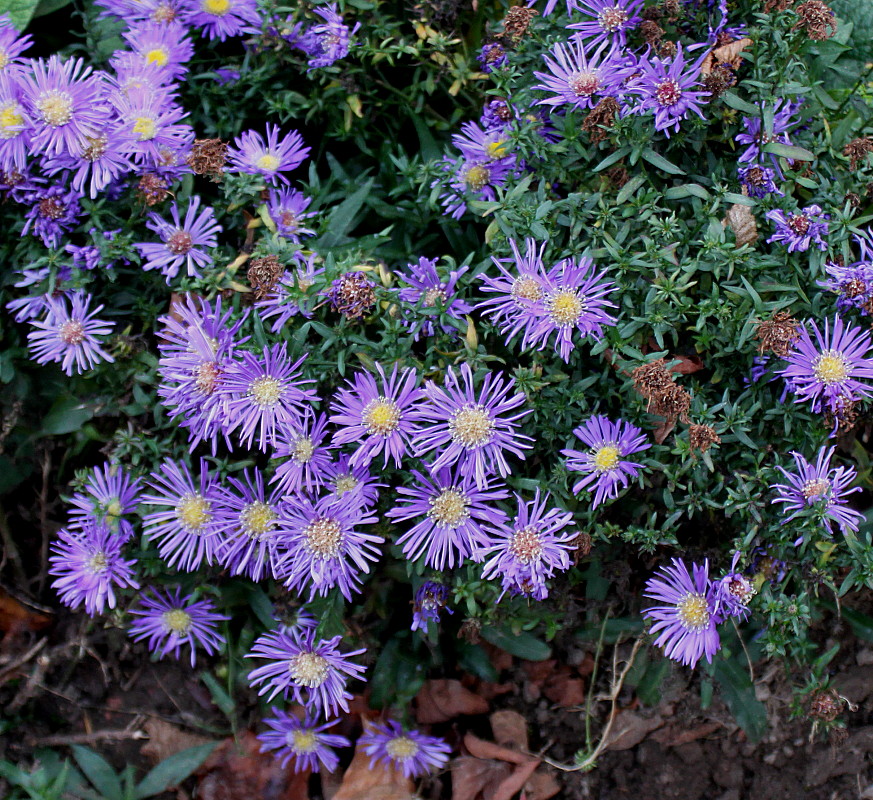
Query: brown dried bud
[(207, 157), (854, 200), (470, 630), (825, 705), (651, 31), (516, 23), (720, 80), (152, 189), (263, 274), (857, 150), (771, 6), (583, 546), (702, 437), (652, 13), (842, 415), (666, 49), (352, 295), (816, 19), (672, 9), (778, 333), (673, 402), (651, 379), (617, 177), (601, 116)]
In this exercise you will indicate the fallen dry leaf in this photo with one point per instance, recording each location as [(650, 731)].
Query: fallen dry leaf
[(500, 659), (663, 430), (673, 735), (539, 671), (565, 690), (729, 53), (541, 785), (363, 781), (509, 729), (166, 740), (488, 691), (513, 783), (238, 770), (482, 749), (471, 776), (442, 700), (686, 364), (742, 222), (17, 617), (629, 729)]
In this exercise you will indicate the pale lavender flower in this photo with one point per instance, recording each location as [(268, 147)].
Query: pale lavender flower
[(411, 752), (578, 80), (468, 177), (798, 231), (756, 135), (163, 44), (109, 494), (426, 287), (252, 155), (853, 284), (306, 454), (287, 209), (352, 484), (686, 619), (220, 19), (103, 160), (160, 138), (606, 461), (303, 743), (169, 621), (12, 45), (15, 124), (481, 145), (606, 20)]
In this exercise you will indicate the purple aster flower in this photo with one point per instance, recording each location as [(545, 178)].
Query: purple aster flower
[(102, 160), (287, 208), (252, 155), (246, 522), (853, 284), (759, 181), (88, 567), (430, 600), (411, 752), (829, 371), (282, 302), (686, 617), (425, 286), (183, 243), (575, 80), (219, 19), (304, 744), (477, 144), (160, 138), (11, 47), (86, 257), (575, 299), (378, 416), (325, 549), (109, 494), (822, 488), (164, 45), (170, 621), (312, 673), (225, 76), (306, 455), (605, 462), (326, 42), (184, 526), (68, 334), (732, 593), (470, 176), (450, 511), (352, 294), (496, 114), (668, 89), (606, 20), (756, 135), (798, 231), (65, 102), (526, 552), (53, 212), (15, 124), (472, 429), (351, 484), (263, 392), (492, 57)]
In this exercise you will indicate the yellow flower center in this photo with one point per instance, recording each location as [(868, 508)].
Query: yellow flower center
[(471, 426), (257, 519), (4, 58), (345, 483), (55, 108), (497, 149), (97, 563), (10, 117), (194, 512), (526, 545), (302, 450), (381, 416), (693, 612), (402, 748), (830, 367), (526, 288), (477, 176), (449, 508), (176, 621), (308, 669), (265, 391), (157, 56), (816, 489), (303, 742), (324, 537), (217, 7), (145, 127), (268, 162), (606, 458), (564, 308), (113, 508)]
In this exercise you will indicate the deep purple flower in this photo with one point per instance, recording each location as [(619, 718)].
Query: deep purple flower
[(252, 155), (68, 334), (327, 42), (450, 511), (471, 177), (287, 208), (325, 547), (686, 617), (430, 600), (426, 287), (411, 752), (219, 19), (607, 20), (183, 242), (306, 455), (578, 80), (668, 89), (263, 392), (822, 488), (756, 136), (88, 567), (163, 44), (759, 181), (312, 673), (798, 231), (379, 416), (497, 114), (53, 211), (184, 526), (605, 463), (829, 371), (303, 743), (732, 593), (853, 283), (170, 621), (526, 552), (225, 76), (351, 484), (492, 57), (109, 494), (470, 428)]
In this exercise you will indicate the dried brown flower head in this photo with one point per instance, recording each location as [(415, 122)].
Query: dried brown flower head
[(617, 177), (825, 705), (666, 49), (652, 13), (353, 295), (672, 9), (843, 415), (601, 116), (516, 23), (857, 150), (264, 273), (651, 31), (470, 630), (152, 189), (207, 157), (582, 544), (778, 333), (816, 19), (652, 378), (655, 383), (771, 6), (702, 437), (719, 80), (673, 402)]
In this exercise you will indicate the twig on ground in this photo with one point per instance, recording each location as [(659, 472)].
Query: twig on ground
[(9, 669), (90, 738)]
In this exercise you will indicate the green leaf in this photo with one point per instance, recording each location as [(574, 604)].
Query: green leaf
[(20, 11), (342, 217), (789, 151), (473, 659), (219, 696), (523, 644), (661, 163), (629, 189), (741, 105), (99, 772), (397, 676), (612, 158), (44, 7), (68, 414), (739, 694), (173, 770), (430, 150)]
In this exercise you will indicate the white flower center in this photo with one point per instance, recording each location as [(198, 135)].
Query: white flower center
[(526, 545), (449, 508), (471, 426), (308, 669)]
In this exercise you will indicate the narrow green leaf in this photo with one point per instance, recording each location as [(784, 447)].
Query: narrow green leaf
[(739, 694), (342, 218), (524, 645), (173, 770), (740, 199), (68, 414), (789, 151), (741, 105), (219, 696), (612, 158), (99, 772), (661, 163), (630, 189), (20, 11)]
